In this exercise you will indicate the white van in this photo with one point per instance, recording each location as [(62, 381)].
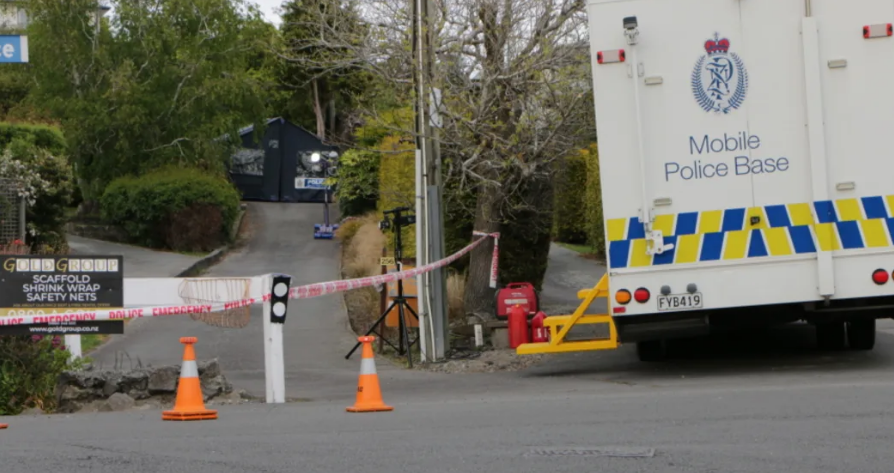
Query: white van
[(747, 165)]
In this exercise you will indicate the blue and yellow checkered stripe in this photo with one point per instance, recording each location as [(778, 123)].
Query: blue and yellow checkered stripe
[(782, 230)]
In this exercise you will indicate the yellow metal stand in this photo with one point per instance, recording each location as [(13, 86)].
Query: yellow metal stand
[(557, 343)]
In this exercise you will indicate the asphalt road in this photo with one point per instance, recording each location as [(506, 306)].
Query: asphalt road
[(730, 407), (758, 403), (316, 335), (138, 262), (566, 274)]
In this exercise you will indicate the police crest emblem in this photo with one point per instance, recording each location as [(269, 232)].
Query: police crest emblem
[(719, 79)]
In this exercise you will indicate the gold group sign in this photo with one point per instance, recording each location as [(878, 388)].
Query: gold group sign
[(65, 264), (55, 284), (61, 282)]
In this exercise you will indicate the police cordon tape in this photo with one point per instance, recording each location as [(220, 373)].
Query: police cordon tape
[(302, 292), (323, 288)]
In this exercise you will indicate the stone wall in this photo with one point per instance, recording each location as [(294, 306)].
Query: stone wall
[(121, 390)]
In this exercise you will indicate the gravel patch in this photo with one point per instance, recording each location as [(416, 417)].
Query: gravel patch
[(486, 361)]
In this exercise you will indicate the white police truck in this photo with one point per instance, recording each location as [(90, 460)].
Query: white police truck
[(746, 162)]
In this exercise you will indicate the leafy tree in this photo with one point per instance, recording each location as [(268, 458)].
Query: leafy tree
[(153, 86), (324, 82), (514, 82), (14, 86)]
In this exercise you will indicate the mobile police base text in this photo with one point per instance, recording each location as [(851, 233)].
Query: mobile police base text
[(741, 165)]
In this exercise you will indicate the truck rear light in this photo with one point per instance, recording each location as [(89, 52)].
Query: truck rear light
[(880, 276), (642, 295), (622, 297), (609, 57), (619, 310), (881, 30)]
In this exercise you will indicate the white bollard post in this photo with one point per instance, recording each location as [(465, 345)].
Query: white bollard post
[(73, 345), (268, 341), (275, 310), (479, 336)]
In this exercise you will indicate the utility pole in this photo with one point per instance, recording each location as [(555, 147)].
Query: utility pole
[(419, 107), (429, 220), (435, 223)]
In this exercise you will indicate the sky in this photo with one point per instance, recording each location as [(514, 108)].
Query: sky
[(269, 7)]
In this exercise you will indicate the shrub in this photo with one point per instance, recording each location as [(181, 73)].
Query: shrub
[(47, 187), (29, 368), (397, 187), (570, 225), (357, 182), (46, 215), (182, 232), (361, 247), (183, 209), (595, 218), (525, 233), (347, 229), (362, 243), (359, 170), (41, 136)]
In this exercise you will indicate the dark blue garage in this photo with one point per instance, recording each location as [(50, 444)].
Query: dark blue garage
[(287, 166)]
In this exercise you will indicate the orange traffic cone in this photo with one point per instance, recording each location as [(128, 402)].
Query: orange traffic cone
[(189, 404), (3, 426), (369, 396)]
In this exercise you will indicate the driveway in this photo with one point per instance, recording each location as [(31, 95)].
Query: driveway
[(316, 333)]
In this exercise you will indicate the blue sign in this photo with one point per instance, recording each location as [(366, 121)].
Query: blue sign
[(324, 232), (310, 183), (13, 48)]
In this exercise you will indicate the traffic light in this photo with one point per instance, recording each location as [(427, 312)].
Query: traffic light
[(279, 298)]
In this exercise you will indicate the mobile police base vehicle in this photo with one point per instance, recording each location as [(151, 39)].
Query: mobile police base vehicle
[(746, 163)]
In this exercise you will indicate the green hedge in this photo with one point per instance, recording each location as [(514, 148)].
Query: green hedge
[(570, 221), (357, 183), (42, 136), (525, 234), (182, 209), (397, 187), (595, 228), (459, 219)]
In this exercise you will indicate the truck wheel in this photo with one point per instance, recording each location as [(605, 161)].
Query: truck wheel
[(861, 334), (651, 350), (830, 336)]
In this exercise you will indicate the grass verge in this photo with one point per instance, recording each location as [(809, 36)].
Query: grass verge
[(91, 342)]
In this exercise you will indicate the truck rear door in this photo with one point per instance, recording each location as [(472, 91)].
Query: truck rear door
[(854, 70), (693, 126)]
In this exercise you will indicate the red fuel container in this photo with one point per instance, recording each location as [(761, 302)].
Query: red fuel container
[(518, 326), (517, 293), (539, 332)]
